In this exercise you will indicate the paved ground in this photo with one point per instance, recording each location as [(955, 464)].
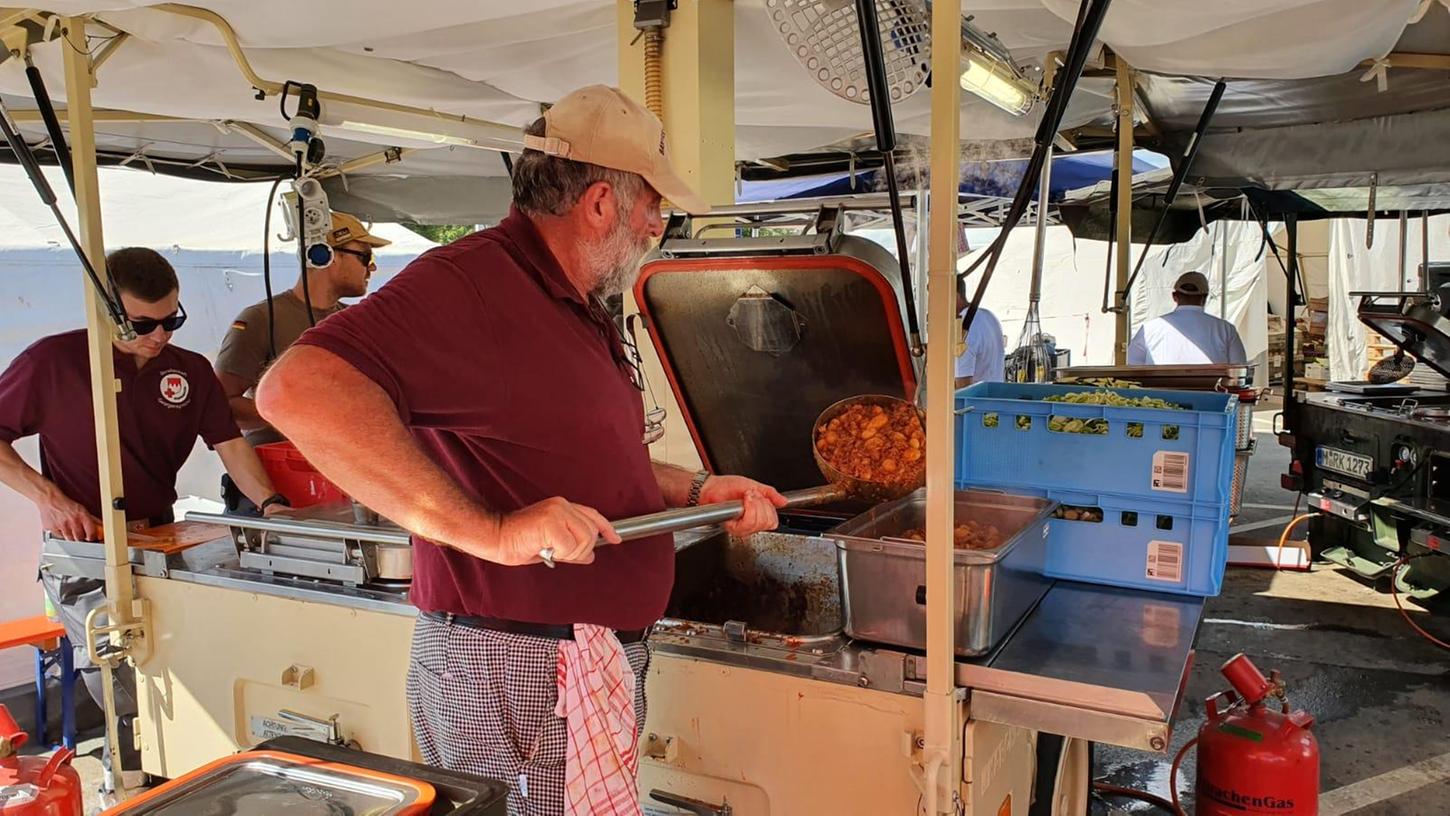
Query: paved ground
[(1380, 694)]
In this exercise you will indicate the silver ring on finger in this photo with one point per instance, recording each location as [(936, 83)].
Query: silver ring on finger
[(547, 556)]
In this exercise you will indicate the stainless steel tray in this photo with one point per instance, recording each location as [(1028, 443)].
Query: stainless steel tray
[(883, 594)]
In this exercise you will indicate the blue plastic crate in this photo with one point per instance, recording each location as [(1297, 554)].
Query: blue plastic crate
[(1161, 545), (1149, 453)]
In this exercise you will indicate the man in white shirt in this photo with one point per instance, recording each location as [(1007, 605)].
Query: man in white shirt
[(1187, 335), (985, 354)]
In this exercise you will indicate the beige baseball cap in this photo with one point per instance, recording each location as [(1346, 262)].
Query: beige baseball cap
[(1193, 284), (346, 228), (599, 125)]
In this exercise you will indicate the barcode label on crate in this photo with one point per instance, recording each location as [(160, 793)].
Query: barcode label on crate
[(1165, 561), (1170, 471)]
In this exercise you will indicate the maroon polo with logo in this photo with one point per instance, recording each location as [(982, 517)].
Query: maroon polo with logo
[(519, 389), (161, 409)]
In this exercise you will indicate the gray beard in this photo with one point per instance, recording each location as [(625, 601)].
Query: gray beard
[(616, 260)]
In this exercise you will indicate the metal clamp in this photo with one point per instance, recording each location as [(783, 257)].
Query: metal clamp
[(132, 640)]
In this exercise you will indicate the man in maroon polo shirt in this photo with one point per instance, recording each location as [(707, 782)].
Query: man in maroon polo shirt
[(168, 397), (483, 399)]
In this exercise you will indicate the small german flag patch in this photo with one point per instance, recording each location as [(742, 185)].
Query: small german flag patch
[(239, 325)]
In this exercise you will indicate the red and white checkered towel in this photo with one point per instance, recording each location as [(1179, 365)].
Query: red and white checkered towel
[(596, 699)]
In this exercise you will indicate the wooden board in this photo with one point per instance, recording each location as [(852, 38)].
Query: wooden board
[(173, 538)]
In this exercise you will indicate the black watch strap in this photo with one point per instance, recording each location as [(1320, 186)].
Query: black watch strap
[(275, 498), (696, 485)]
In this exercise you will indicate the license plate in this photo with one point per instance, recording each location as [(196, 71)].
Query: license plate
[(1350, 464)]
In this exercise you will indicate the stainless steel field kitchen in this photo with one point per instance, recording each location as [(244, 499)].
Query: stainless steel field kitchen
[(882, 574), (758, 335), (814, 629)]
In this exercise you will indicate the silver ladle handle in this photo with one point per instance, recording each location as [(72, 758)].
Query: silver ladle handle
[(684, 518)]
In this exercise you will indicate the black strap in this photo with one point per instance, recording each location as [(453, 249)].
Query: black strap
[(552, 631)]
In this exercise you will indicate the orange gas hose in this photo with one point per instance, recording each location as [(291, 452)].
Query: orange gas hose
[(1394, 593), (1279, 554), (1172, 807)]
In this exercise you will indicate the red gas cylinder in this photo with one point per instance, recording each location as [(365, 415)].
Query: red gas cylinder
[(35, 786), (1254, 759)]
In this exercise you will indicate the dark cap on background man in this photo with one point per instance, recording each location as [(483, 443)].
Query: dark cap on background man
[(1192, 284)]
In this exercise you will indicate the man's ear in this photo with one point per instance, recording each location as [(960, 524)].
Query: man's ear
[(597, 205)]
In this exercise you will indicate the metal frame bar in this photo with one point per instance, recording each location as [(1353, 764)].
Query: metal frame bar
[(120, 591), (1406, 59), (1290, 410), (257, 135), (1124, 230), (942, 753), (99, 116)]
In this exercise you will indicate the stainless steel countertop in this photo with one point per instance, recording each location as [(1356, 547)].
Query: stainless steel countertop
[(1100, 663)]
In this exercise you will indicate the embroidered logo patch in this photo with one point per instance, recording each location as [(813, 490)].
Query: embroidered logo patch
[(175, 388)]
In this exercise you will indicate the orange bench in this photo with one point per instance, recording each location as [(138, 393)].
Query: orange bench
[(52, 647)]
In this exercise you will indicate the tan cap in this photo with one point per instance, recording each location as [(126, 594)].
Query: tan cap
[(346, 228), (1193, 284), (600, 125)]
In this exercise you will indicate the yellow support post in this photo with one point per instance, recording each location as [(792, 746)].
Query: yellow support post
[(100, 332), (697, 68), (942, 754), (1124, 244)]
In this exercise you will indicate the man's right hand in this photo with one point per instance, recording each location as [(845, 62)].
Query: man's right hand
[(570, 529), (66, 518)]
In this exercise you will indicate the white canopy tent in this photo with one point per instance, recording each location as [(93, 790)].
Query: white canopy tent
[(211, 233), (495, 62)]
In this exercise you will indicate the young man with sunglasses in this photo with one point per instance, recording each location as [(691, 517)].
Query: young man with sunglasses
[(168, 397), (263, 331)]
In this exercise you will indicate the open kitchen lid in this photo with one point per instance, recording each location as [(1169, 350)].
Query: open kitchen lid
[(1418, 322), (757, 341)]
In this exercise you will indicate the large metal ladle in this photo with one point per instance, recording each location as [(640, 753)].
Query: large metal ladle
[(842, 486)]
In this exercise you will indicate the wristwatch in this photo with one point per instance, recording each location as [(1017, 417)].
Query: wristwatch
[(696, 485), (275, 498)]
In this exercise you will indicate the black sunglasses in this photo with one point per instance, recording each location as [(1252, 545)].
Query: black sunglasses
[(365, 255), (146, 325)]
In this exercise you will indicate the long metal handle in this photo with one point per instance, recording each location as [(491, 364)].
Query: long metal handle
[(695, 806), (683, 518)]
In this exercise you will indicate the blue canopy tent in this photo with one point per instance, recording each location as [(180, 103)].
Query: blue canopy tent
[(994, 179)]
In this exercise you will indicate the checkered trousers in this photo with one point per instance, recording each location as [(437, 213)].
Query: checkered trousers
[(483, 702)]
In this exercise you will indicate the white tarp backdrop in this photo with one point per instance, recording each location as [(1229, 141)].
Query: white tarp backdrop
[(1238, 265), (1072, 286), (1353, 267), (211, 233)]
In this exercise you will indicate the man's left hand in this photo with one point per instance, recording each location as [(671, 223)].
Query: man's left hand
[(760, 500), (274, 509)]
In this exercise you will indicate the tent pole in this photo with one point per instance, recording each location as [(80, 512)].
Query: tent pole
[(1291, 228), (1124, 87), (99, 332), (942, 753), (1405, 251), (1422, 275)]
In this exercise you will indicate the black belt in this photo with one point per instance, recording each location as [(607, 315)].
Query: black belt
[(552, 631)]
